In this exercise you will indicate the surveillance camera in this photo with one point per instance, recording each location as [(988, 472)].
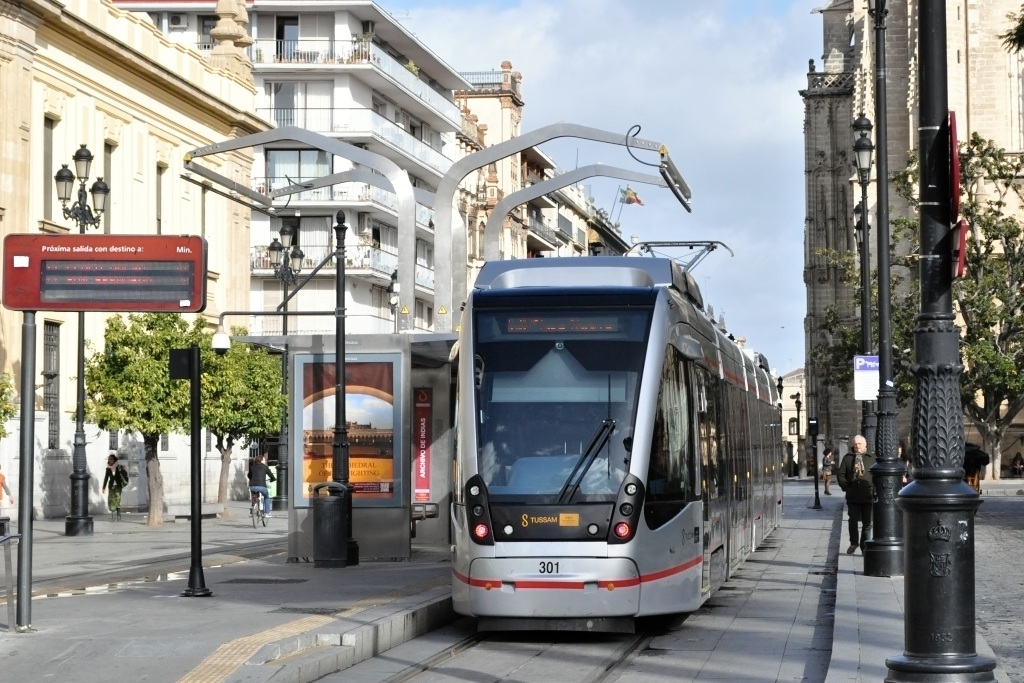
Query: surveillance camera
[(221, 343)]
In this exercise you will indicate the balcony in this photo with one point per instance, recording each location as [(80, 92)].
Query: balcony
[(312, 53), (371, 261), (424, 277), (355, 323), (359, 125), (355, 193), (260, 265), (543, 232)]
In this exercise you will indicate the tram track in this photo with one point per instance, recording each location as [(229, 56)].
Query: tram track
[(541, 659)]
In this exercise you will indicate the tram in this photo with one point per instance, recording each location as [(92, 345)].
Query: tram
[(617, 454)]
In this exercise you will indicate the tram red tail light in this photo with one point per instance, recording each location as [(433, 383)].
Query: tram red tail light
[(622, 530), (481, 531)]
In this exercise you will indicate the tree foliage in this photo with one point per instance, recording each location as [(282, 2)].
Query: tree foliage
[(128, 386), (7, 406), (1013, 39), (990, 299), (834, 360), (242, 399), (129, 389)]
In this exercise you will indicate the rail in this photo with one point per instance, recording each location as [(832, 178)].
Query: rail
[(6, 540)]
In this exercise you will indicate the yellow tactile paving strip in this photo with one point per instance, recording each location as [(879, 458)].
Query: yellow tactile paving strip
[(226, 659)]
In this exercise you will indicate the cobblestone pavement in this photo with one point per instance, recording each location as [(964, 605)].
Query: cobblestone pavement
[(999, 580)]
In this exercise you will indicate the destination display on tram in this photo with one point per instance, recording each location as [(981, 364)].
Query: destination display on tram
[(555, 324), (113, 273)]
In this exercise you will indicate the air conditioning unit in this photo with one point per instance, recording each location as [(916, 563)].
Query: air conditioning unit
[(364, 224), (368, 27), (177, 22)]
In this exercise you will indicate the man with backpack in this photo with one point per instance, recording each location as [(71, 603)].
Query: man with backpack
[(854, 477), (114, 480)]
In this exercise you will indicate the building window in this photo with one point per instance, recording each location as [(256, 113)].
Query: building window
[(165, 442), (794, 427), (209, 441), (51, 381), (108, 165), (424, 315), (290, 166), (206, 24), (161, 172), (112, 443)]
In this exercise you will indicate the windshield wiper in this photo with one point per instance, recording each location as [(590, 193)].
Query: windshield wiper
[(586, 459)]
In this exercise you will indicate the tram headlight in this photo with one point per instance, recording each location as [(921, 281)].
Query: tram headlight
[(593, 529), (622, 530), (631, 489), (474, 490), (508, 529), (481, 531)]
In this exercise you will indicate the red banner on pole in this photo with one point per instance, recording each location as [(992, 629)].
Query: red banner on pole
[(422, 439)]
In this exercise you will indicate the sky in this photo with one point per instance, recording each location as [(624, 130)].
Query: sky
[(716, 81)]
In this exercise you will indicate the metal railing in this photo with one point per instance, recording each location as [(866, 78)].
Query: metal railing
[(354, 52), (542, 231)]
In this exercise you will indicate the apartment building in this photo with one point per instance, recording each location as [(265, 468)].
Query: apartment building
[(83, 72), (985, 91)]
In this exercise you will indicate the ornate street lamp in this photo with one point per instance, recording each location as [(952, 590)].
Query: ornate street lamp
[(862, 150), (79, 522), (938, 506), (340, 460), (883, 554), (286, 260)]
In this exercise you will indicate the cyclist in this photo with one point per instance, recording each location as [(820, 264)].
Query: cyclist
[(259, 472)]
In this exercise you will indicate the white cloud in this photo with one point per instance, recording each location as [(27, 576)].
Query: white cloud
[(717, 81)]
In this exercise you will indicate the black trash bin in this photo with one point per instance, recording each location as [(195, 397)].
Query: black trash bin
[(329, 526)]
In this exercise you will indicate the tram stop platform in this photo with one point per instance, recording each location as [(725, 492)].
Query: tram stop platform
[(109, 607)]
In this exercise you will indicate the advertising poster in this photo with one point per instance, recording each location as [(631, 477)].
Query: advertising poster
[(370, 416), (422, 438)]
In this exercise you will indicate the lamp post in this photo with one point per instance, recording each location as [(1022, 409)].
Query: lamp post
[(883, 554), (938, 506), (286, 259), (79, 522), (862, 149), (339, 466)]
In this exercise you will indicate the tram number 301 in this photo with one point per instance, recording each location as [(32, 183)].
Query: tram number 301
[(548, 568)]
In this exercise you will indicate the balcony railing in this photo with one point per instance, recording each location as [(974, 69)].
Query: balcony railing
[(424, 277), (355, 323), (357, 52), (841, 81), (259, 257), (347, 192), (541, 230), (368, 257), (359, 121)]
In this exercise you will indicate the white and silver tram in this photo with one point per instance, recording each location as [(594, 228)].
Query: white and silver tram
[(617, 454)]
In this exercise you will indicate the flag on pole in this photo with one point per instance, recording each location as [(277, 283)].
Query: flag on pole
[(630, 197)]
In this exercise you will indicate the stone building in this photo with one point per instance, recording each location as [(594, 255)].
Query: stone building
[(82, 72), (985, 91)]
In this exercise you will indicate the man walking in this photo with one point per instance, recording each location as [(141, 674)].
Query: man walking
[(854, 477)]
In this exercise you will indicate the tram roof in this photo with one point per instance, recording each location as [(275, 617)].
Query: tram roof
[(589, 271)]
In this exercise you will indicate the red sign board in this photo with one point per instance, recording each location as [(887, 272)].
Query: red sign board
[(115, 273)]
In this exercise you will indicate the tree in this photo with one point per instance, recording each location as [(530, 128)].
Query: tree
[(128, 386), (242, 399), (7, 407), (1013, 40), (989, 299), (834, 360)]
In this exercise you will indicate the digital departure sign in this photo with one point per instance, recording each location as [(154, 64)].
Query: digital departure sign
[(114, 273)]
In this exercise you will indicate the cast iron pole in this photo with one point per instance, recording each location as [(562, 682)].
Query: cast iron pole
[(938, 506), (340, 464), (883, 554)]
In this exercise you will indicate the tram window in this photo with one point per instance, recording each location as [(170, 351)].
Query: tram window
[(670, 472)]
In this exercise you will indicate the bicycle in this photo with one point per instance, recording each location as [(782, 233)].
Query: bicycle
[(256, 509)]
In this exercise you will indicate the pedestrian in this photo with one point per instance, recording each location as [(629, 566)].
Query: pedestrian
[(904, 456), (114, 480), (854, 477), (828, 461), (1017, 466), (4, 488), (259, 472)]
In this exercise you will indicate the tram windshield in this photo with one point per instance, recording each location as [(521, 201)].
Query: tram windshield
[(556, 399)]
